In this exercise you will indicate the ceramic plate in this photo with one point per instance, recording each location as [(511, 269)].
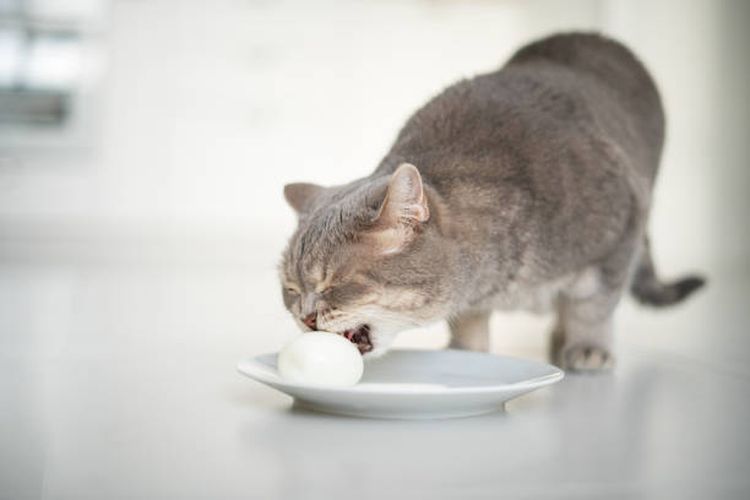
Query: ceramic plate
[(416, 384)]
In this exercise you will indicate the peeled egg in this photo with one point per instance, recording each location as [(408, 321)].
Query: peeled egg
[(321, 358)]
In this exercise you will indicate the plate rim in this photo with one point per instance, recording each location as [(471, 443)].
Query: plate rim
[(250, 367)]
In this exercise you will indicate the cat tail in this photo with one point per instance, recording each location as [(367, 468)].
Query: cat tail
[(648, 289)]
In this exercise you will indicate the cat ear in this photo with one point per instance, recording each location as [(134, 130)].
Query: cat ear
[(300, 194), (403, 210)]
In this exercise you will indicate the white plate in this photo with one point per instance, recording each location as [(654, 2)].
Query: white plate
[(416, 384)]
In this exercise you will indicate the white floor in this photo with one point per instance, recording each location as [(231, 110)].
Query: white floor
[(137, 265), (119, 382)]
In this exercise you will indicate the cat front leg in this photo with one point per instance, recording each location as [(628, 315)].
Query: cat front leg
[(470, 330), (582, 339)]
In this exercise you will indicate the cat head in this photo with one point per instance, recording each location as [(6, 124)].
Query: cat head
[(367, 259)]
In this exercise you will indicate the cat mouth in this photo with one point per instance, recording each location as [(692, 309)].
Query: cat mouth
[(359, 336)]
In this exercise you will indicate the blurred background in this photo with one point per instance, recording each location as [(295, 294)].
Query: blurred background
[(143, 150), (129, 120)]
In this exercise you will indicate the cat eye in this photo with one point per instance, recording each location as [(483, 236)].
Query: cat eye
[(291, 290)]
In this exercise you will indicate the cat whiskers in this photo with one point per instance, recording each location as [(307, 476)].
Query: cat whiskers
[(329, 320), (381, 315)]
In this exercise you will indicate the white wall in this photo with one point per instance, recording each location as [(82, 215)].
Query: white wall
[(208, 108)]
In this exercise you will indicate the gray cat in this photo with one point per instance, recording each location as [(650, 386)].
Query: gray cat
[(528, 187)]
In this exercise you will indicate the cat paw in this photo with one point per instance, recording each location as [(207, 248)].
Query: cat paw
[(586, 358)]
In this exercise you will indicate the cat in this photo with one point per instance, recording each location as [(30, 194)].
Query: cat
[(525, 188)]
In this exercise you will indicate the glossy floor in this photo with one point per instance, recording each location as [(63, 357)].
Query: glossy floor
[(120, 382)]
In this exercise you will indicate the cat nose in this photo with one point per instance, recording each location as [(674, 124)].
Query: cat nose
[(310, 320)]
